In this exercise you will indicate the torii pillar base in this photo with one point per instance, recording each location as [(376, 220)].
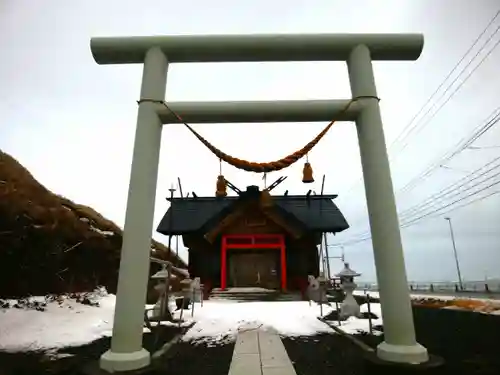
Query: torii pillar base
[(374, 365), (415, 353), (119, 362)]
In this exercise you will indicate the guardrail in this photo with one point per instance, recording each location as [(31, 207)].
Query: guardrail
[(437, 287)]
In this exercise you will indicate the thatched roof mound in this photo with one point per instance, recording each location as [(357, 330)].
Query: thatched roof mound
[(49, 244)]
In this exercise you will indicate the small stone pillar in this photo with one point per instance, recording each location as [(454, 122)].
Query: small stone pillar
[(186, 293), (316, 290), (349, 307), (196, 290), (161, 304)]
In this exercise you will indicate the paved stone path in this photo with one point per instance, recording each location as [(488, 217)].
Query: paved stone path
[(259, 352)]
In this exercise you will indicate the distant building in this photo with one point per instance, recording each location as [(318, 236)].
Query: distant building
[(254, 239)]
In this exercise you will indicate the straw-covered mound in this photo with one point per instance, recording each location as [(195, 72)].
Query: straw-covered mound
[(49, 244)]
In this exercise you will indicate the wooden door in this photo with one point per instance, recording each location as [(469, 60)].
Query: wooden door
[(257, 269)]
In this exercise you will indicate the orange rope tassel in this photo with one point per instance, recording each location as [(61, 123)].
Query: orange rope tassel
[(221, 186), (307, 173)]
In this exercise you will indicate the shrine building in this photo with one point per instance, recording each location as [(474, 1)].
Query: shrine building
[(254, 239)]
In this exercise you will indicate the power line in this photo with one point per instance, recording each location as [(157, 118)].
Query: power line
[(353, 186), (421, 211), (450, 73), (463, 144), (468, 203), (445, 193), (463, 181), (406, 217), (441, 213), (460, 146), (450, 204), (483, 148), (457, 88)]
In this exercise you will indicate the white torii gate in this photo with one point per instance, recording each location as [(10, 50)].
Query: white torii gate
[(358, 50)]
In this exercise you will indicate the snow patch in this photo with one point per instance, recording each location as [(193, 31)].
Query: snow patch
[(64, 322), (103, 232), (48, 323), (220, 321)]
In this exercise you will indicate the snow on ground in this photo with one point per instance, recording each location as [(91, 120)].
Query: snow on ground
[(67, 322), (355, 325), (220, 321), (64, 324)]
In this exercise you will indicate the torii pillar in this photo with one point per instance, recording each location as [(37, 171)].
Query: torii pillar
[(358, 50)]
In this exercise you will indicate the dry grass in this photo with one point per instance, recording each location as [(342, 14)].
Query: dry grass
[(479, 305), (49, 244)]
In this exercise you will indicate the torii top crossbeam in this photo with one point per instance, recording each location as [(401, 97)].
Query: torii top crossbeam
[(270, 47), (263, 47)]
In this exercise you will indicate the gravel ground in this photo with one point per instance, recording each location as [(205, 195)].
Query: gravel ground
[(467, 341), (323, 355), (35, 363), (187, 358)]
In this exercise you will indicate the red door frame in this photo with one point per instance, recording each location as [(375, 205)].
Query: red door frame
[(252, 241)]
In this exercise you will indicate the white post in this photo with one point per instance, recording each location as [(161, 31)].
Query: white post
[(400, 343), (126, 351)]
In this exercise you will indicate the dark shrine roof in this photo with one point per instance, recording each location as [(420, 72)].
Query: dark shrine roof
[(315, 212)]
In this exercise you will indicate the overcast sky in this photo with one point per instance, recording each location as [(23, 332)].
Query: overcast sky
[(71, 122)]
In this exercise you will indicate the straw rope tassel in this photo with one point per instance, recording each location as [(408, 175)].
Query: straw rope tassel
[(221, 185), (307, 172)]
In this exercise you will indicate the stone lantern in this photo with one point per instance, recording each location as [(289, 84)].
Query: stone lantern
[(161, 287), (186, 294), (349, 307)]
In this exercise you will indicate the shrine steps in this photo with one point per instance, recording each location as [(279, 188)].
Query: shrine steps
[(253, 295)]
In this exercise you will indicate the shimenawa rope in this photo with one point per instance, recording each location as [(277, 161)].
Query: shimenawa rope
[(264, 167)]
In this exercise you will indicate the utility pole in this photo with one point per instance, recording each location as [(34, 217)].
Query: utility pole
[(171, 222), (460, 283), (327, 258)]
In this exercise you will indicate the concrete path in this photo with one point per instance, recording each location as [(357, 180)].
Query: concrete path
[(260, 352)]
